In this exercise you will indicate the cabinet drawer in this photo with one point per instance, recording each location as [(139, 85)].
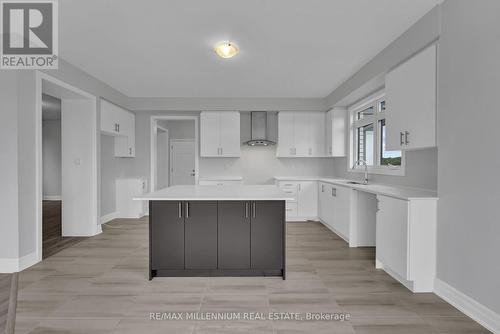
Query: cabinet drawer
[(291, 209), (288, 184), (291, 191)]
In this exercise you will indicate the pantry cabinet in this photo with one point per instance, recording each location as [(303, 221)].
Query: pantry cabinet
[(411, 90), (119, 123), (220, 134)]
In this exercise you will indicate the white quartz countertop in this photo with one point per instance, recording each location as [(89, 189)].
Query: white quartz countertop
[(217, 178), (217, 193), (405, 193)]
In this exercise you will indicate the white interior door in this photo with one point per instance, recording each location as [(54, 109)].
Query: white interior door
[(182, 162), (162, 157)]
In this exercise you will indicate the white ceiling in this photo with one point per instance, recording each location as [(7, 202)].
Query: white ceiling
[(288, 48)]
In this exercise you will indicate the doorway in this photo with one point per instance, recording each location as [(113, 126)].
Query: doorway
[(66, 165), (174, 151)]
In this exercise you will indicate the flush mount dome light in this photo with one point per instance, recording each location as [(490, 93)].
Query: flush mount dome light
[(226, 49)]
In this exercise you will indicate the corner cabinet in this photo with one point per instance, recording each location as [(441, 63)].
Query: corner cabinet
[(220, 134), (335, 208), (304, 206), (301, 134), (119, 123), (406, 241), (217, 238), (411, 97)]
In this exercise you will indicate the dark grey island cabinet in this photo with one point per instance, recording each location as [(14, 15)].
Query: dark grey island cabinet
[(217, 238)]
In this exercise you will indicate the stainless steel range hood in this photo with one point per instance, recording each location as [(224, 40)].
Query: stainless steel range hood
[(259, 130)]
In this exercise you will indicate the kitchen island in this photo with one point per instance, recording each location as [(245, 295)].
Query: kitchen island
[(217, 231)]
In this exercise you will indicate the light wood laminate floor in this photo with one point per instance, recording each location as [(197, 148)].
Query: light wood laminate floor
[(100, 286)]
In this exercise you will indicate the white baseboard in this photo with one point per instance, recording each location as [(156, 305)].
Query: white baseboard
[(12, 265), (52, 198), (480, 313), (109, 217), (27, 261)]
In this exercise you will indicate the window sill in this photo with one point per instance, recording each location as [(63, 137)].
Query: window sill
[(379, 171)]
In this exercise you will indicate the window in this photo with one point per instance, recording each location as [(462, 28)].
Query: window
[(368, 133)]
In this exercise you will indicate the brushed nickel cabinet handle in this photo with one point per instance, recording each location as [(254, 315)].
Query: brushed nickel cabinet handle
[(180, 209), (407, 136), (187, 209), (401, 138), (254, 210), (246, 209)]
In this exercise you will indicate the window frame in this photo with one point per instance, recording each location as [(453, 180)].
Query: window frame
[(355, 123)]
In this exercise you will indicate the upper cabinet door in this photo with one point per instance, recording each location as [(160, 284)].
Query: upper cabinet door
[(286, 143), (209, 134), (229, 134), (109, 117), (336, 128), (220, 134), (411, 102), (302, 129), (119, 122), (317, 136)]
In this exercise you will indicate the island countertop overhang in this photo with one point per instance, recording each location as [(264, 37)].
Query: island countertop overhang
[(217, 193)]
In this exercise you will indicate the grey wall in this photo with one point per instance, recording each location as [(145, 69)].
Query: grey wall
[(22, 103), (9, 236), (51, 155), (108, 175), (413, 40), (469, 159), (420, 172), (179, 129)]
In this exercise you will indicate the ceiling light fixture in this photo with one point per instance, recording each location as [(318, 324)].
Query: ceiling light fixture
[(226, 49)]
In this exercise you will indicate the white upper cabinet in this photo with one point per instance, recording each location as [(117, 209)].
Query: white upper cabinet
[(336, 120), (220, 134), (411, 102), (120, 123), (301, 134)]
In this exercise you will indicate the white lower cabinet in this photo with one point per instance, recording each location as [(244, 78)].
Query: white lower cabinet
[(406, 241), (304, 206), (335, 208)]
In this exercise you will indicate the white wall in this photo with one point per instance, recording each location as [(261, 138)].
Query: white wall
[(421, 171), (51, 155), (469, 161), (258, 165)]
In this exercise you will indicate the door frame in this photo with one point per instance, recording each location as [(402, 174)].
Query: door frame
[(152, 161), (96, 226), (170, 159), (155, 148)]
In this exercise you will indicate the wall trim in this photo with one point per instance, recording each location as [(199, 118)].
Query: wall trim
[(52, 198), (109, 217), (13, 265), (477, 311)]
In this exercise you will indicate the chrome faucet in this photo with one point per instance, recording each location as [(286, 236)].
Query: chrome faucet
[(361, 161)]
